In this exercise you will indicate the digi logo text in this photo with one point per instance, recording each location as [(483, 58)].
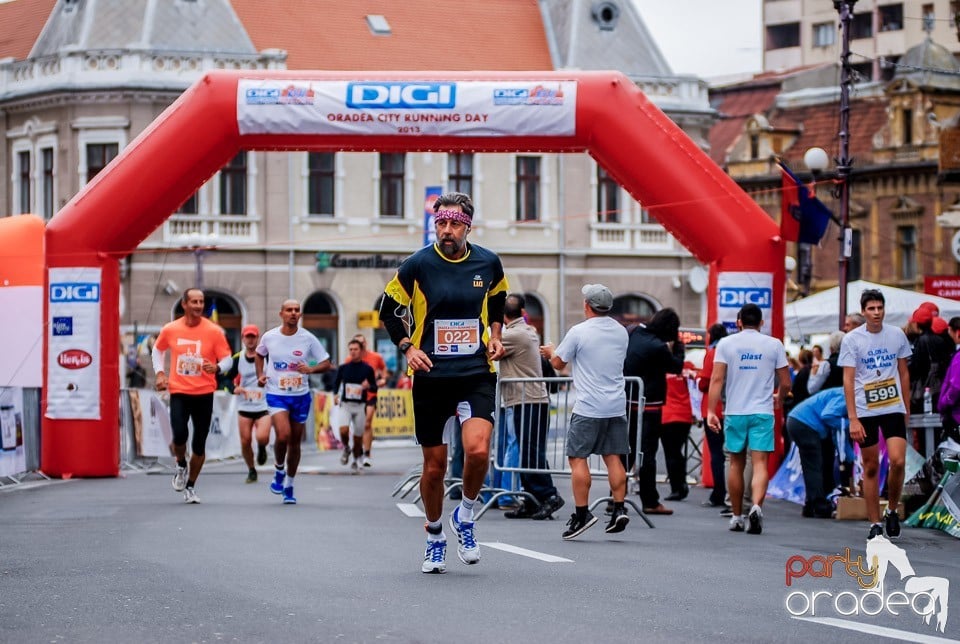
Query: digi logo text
[(440, 96), (738, 296), (75, 292)]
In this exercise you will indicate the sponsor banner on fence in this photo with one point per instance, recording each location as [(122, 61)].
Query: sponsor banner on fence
[(73, 341), (152, 434), (408, 108), (734, 289), (12, 455), (942, 509), (394, 416)]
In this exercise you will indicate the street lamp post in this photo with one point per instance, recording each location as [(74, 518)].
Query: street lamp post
[(845, 9)]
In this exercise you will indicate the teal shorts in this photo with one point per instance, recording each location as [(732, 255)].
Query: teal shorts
[(749, 431)]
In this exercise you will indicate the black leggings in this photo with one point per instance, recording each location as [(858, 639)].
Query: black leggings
[(186, 407)]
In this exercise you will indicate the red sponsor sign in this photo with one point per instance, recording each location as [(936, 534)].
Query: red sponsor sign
[(947, 286), (74, 359)]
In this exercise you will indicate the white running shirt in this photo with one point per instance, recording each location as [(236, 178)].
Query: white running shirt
[(877, 389), (283, 354), (596, 348), (752, 359)]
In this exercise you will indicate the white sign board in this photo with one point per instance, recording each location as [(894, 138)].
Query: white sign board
[(734, 289), (73, 342), (408, 108)]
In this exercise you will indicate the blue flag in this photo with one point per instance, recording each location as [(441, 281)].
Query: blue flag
[(809, 213)]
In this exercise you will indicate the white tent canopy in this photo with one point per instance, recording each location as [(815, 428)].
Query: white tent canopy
[(819, 313)]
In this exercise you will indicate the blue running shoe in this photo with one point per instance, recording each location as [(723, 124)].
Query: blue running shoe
[(288, 497), (277, 485), (468, 550), (435, 558)]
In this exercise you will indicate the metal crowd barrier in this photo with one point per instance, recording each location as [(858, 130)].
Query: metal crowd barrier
[(20, 439), (556, 463)]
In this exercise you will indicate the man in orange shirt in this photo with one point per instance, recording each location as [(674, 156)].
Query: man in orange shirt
[(198, 352), (375, 360)]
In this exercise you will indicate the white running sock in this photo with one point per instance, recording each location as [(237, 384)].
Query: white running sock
[(288, 481), (756, 508), (466, 509), (437, 531)]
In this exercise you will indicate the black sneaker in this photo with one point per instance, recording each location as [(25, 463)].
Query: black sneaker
[(576, 527), (547, 508), (252, 476), (727, 511), (261, 454), (618, 521), (755, 522), (891, 521), (525, 511), (876, 530)]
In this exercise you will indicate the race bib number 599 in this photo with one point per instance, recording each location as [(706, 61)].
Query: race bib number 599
[(881, 393)]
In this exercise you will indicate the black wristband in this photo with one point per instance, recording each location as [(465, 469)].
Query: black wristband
[(405, 346)]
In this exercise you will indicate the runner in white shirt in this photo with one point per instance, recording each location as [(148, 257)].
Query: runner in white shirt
[(252, 415), (290, 354), (875, 381), (744, 368)]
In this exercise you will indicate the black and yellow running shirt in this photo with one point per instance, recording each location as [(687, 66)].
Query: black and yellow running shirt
[(451, 305)]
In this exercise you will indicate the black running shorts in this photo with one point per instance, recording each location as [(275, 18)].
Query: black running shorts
[(435, 400), (199, 409), (892, 425)]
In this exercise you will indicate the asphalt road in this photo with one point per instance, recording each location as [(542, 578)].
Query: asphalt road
[(125, 560)]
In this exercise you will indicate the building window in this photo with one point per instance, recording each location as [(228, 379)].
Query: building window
[(824, 34), (321, 168), (861, 26), (891, 17), (608, 198), (862, 72), (929, 15), (528, 188), (754, 146), (392, 167), (460, 173), (907, 123), (631, 309), (190, 206), (854, 266), (907, 247), (46, 182), (783, 36), (233, 186), (23, 181), (98, 156)]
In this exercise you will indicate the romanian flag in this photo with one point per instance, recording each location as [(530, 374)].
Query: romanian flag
[(803, 217), (213, 314)]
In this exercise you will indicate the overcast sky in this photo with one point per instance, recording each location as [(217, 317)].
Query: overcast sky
[(709, 38)]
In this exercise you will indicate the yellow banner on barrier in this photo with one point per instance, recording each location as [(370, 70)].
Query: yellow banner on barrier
[(323, 434), (394, 416)]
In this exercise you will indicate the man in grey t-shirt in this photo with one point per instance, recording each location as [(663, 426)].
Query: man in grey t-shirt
[(596, 348)]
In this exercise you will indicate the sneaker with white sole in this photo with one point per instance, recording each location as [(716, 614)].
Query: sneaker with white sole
[(435, 557), (367, 462), (891, 522), (344, 456), (180, 479), (288, 497), (736, 524), (276, 486), (755, 521), (190, 496), (576, 526), (354, 468), (468, 549)]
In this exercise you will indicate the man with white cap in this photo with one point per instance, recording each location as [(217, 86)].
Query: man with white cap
[(596, 348)]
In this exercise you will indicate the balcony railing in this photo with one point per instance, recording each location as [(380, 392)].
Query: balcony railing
[(211, 229), (643, 237)]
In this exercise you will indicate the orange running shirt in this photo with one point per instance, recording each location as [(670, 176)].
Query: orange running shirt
[(189, 346), (375, 360)]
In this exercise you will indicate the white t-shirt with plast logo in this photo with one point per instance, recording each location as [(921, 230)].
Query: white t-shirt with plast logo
[(283, 354), (752, 360), (876, 384)]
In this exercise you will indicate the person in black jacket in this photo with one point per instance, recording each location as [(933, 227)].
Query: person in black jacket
[(653, 352), (930, 359)]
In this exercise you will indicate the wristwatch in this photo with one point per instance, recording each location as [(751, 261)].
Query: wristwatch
[(404, 346)]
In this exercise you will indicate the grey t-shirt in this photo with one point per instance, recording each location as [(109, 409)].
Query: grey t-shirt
[(596, 349)]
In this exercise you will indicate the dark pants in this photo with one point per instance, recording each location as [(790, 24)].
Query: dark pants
[(674, 436), (530, 423), (649, 442), (717, 460), (816, 459)]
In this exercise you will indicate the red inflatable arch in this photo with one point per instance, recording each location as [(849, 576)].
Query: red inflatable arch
[(603, 113)]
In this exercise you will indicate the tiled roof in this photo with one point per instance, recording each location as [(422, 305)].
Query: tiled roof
[(22, 21), (426, 34), (734, 108), (821, 123)]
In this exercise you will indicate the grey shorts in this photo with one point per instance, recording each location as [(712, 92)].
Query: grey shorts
[(353, 413), (587, 436)]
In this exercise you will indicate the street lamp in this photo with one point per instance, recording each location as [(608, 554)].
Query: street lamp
[(817, 161)]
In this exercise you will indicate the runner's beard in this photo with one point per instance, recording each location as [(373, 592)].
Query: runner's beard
[(450, 248)]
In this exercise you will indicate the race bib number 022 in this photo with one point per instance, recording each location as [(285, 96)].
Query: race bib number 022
[(881, 393), (456, 337)]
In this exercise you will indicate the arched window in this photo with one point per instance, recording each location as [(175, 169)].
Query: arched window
[(631, 309), (222, 309), (321, 319), (534, 309)]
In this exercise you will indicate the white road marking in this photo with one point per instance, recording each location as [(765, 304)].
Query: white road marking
[(533, 554), (411, 510), (894, 633)]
